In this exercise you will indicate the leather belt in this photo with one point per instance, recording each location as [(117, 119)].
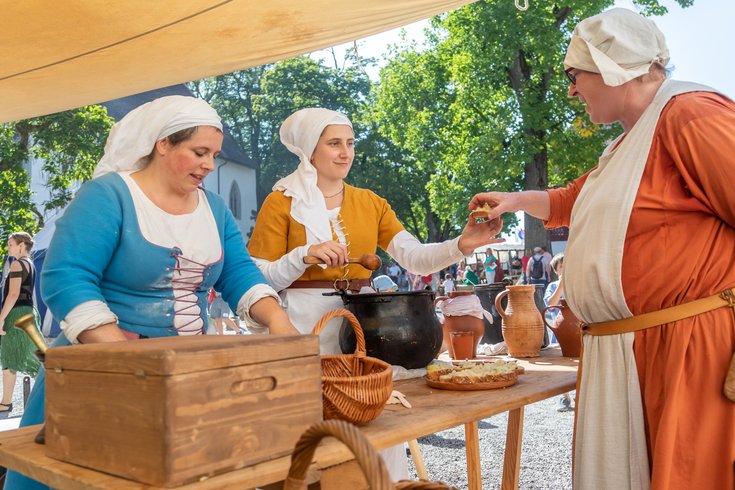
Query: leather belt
[(660, 317), (353, 285)]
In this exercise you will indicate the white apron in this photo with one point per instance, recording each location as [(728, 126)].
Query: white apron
[(610, 443)]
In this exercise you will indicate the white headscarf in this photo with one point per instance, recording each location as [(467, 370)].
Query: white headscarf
[(300, 133), (619, 44), (132, 138)]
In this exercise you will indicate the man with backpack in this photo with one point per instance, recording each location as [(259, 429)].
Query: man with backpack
[(537, 271)]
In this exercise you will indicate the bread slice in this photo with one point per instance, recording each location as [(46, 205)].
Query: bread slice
[(482, 212)]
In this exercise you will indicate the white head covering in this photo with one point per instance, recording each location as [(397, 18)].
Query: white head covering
[(300, 133), (619, 44), (133, 137)]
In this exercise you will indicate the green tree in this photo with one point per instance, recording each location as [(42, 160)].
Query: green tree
[(486, 103), (411, 109), (68, 145)]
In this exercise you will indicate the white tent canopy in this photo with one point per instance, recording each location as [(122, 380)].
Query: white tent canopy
[(61, 55)]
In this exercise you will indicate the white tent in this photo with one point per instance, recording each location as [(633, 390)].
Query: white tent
[(61, 55)]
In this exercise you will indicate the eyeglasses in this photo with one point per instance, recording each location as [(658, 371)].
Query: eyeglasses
[(571, 76)]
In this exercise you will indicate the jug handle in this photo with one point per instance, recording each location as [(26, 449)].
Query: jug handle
[(500, 309), (543, 315)]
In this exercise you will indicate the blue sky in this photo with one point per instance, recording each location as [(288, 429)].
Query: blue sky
[(700, 40)]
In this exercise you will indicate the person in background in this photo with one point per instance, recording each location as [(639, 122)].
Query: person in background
[(537, 271), (448, 284), (524, 264), (552, 296), (134, 254), (219, 313), (460, 272), (516, 265), (470, 277), (394, 271), (490, 263), (652, 409), (17, 351), (547, 260), (403, 283)]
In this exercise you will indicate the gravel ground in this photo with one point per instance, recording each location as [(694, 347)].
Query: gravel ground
[(546, 455), (17, 397)]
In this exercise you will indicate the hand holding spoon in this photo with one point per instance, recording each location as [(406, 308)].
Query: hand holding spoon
[(369, 261)]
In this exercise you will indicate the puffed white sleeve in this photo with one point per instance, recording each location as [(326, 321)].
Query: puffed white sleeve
[(284, 271), (423, 258)]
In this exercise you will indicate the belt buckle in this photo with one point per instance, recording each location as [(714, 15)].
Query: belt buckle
[(337, 282)]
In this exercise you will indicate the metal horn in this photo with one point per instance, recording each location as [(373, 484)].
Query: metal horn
[(27, 323)]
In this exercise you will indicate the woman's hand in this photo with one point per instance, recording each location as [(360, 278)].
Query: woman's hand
[(535, 203), (476, 234), (269, 313), (332, 253)]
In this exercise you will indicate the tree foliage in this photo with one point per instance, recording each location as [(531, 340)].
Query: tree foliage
[(67, 144), (485, 105)]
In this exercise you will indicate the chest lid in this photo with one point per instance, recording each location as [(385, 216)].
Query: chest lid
[(168, 356)]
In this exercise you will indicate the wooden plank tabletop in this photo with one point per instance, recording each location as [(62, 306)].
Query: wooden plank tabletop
[(545, 377)]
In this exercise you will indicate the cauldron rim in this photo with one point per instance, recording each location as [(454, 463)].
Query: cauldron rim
[(388, 293), (488, 286)]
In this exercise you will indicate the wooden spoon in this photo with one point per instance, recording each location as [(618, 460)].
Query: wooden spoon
[(369, 261)]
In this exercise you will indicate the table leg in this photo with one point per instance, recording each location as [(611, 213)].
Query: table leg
[(472, 443), (513, 440), (418, 460)]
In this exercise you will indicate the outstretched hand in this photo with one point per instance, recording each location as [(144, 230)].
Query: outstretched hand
[(500, 202), (332, 253), (476, 234)]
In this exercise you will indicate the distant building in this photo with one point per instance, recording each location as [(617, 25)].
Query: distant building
[(234, 176)]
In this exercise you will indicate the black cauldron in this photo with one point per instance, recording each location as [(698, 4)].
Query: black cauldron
[(487, 294), (400, 328), (538, 298)]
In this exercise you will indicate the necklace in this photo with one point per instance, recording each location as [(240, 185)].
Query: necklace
[(337, 194)]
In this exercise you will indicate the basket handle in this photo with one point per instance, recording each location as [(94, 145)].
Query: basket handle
[(360, 348), (371, 464)]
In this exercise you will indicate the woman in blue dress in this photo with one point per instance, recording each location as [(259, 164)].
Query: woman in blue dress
[(141, 244)]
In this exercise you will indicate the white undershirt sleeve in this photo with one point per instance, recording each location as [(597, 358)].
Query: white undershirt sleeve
[(423, 258), (282, 272), (252, 296), (85, 316)]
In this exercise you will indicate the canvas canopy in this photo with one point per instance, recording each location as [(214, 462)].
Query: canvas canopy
[(61, 55)]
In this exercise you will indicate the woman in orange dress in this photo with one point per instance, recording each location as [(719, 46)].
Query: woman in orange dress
[(651, 412)]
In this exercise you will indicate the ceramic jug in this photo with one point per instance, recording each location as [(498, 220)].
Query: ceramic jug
[(523, 327), (566, 328), (461, 323)]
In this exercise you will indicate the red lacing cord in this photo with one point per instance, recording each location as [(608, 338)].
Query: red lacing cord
[(193, 271)]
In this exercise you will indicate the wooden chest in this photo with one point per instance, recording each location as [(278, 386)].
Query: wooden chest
[(172, 410)]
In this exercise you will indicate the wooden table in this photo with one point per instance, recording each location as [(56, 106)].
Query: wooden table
[(433, 411)]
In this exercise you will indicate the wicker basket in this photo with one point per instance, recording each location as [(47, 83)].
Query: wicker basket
[(370, 462), (354, 387)]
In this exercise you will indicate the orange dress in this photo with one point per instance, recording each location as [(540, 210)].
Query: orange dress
[(679, 247)]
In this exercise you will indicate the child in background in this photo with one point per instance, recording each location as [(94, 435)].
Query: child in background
[(448, 284), (554, 293)]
